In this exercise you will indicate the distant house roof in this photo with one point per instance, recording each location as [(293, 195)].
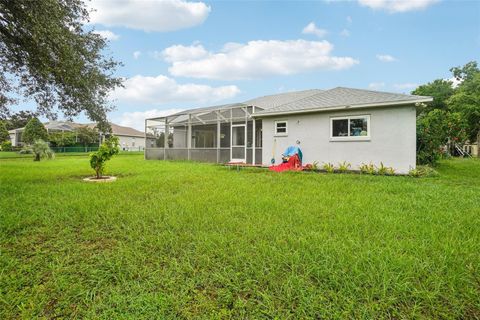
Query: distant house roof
[(62, 125), (121, 130), (343, 98), (275, 100), (71, 126)]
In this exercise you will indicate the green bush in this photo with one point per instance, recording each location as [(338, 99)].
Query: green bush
[(434, 131), (344, 166), (367, 168), (328, 167), (105, 152), (62, 139), (6, 146), (423, 171)]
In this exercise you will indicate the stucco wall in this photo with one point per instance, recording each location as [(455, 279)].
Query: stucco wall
[(392, 132), (131, 143)]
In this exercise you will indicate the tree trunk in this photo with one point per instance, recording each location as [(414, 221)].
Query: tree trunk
[(37, 157)]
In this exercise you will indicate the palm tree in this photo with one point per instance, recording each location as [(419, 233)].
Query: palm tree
[(40, 149)]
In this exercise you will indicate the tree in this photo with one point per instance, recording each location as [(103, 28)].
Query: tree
[(107, 150), (48, 55), (4, 135), (435, 130), (34, 130), (40, 150), (20, 119), (87, 136), (440, 90), (466, 101), (62, 139), (465, 72)]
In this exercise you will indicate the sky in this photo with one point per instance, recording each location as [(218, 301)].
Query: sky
[(185, 54)]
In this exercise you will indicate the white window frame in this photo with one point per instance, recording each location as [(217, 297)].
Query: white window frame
[(281, 134), (351, 138)]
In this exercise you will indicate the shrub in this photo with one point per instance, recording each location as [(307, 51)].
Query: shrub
[(40, 150), (105, 152), (367, 168), (423, 171), (344, 166), (435, 130), (382, 169), (328, 167), (62, 139), (6, 146)]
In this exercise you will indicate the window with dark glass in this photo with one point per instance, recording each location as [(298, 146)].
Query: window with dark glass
[(354, 126), (340, 128), (281, 127)]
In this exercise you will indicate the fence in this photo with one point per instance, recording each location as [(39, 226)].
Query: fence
[(73, 149)]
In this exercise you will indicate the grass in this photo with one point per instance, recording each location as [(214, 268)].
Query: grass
[(188, 240), (16, 155)]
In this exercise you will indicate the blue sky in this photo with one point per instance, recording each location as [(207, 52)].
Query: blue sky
[(191, 54)]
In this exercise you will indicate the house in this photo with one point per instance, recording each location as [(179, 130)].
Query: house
[(330, 126), (129, 138)]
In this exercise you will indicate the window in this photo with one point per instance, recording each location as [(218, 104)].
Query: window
[(350, 128), (281, 128)]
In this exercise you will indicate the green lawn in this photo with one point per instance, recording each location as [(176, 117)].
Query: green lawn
[(15, 155), (185, 240)]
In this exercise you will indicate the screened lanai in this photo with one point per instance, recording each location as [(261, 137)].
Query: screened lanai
[(221, 134)]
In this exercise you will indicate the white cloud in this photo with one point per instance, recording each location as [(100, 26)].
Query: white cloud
[(162, 89), (345, 33), (152, 15), (180, 53), (107, 34), (349, 19), (311, 28), (405, 86), (376, 85), (386, 58), (394, 6), (137, 54), (255, 59), (137, 119)]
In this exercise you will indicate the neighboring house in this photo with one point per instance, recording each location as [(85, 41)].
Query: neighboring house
[(52, 126), (129, 138), (331, 126)]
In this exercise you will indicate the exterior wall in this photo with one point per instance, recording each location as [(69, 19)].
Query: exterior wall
[(392, 138), (131, 143)]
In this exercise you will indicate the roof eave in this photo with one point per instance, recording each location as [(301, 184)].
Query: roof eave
[(346, 107)]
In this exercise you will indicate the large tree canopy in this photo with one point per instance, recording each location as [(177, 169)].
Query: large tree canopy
[(46, 54), (440, 90)]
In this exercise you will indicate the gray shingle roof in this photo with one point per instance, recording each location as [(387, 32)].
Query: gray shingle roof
[(275, 100), (342, 97)]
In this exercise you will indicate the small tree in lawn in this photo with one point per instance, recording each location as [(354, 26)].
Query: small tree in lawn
[(34, 130), (105, 152), (40, 150)]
